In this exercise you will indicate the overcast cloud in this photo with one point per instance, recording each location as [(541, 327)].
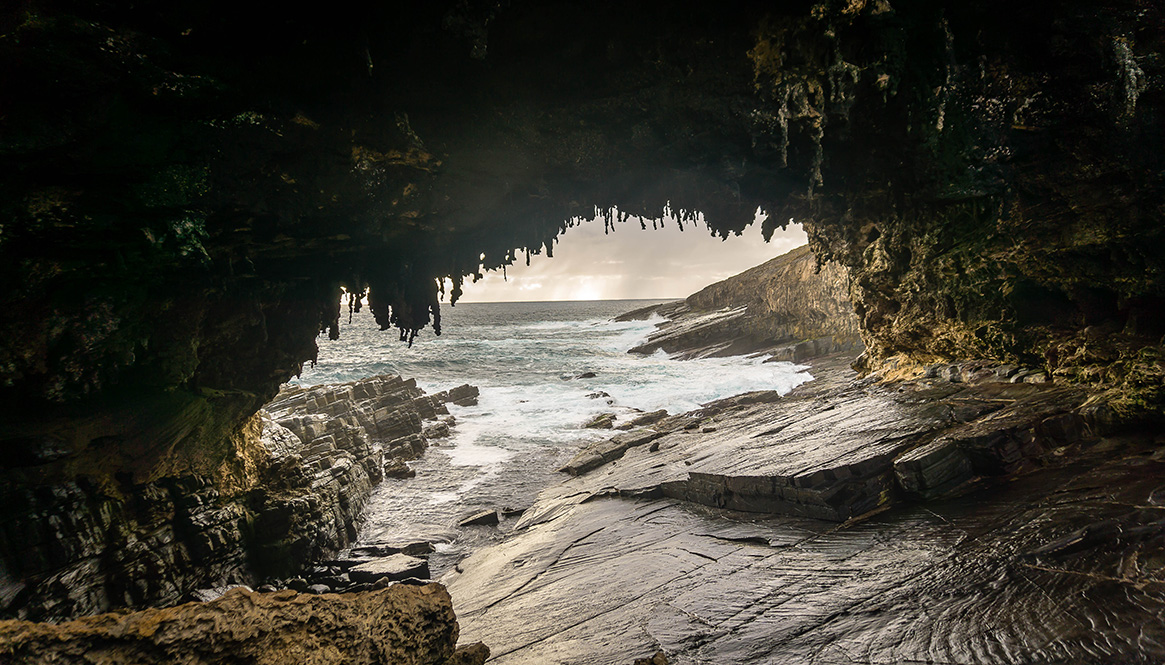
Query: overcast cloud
[(632, 263)]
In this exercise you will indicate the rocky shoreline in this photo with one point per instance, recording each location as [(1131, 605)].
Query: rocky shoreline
[(758, 527), (789, 308), (964, 517), (312, 459)]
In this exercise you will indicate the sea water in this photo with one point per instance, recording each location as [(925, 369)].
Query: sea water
[(527, 359)]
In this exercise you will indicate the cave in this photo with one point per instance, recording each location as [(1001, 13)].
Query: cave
[(189, 188)]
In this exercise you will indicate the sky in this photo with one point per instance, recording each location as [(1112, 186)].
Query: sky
[(632, 263)]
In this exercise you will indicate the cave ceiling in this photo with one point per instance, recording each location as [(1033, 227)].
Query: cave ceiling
[(187, 186)]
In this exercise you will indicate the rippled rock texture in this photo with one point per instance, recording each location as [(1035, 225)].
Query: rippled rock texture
[(789, 308), (1049, 547), (283, 498), (832, 454), (403, 624)]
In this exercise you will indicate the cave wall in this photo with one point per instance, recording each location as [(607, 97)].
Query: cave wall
[(992, 176), (187, 186)]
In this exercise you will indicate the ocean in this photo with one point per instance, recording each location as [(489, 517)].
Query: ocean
[(526, 359)]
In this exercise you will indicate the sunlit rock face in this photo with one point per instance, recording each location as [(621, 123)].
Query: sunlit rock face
[(790, 308), (187, 188)]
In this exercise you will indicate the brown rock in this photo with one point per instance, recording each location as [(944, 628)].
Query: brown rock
[(396, 468), (786, 307), (601, 421), (401, 624)]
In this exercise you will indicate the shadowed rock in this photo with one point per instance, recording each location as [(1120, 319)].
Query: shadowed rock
[(483, 518), (393, 567)]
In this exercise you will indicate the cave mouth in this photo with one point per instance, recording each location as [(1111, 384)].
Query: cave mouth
[(551, 376), (187, 190), (638, 258)]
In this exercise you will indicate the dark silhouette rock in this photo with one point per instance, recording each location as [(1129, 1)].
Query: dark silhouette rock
[(482, 518)]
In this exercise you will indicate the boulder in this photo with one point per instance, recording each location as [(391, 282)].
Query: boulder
[(407, 625), (483, 518), (601, 421), (396, 468), (392, 568)]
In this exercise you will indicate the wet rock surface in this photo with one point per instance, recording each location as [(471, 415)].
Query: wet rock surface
[(831, 453), (1042, 544), (787, 308), (403, 624)]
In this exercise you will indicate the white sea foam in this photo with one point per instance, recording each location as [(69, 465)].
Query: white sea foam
[(526, 359)]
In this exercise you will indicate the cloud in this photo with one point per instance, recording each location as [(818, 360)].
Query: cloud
[(632, 263)]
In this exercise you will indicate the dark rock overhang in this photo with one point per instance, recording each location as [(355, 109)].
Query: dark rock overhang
[(188, 186)]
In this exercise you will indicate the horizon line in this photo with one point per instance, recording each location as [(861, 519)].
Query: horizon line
[(503, 302)]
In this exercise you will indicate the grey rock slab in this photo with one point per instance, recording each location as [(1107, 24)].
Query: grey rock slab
[(395, 567), (829, 455), (600, 452), (967, 580)]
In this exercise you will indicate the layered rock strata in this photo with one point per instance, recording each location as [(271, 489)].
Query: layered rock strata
[(978, 520), (789, 308), (93, 543), (839, 453), (402, 624)]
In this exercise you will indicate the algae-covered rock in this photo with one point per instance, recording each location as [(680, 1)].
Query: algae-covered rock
[(401, 624)]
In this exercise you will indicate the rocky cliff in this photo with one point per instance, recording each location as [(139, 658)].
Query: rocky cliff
[(789, 308), (291, 494)]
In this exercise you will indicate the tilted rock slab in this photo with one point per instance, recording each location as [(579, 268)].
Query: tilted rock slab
[(834, 455), (401, 625), (653, 550)]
